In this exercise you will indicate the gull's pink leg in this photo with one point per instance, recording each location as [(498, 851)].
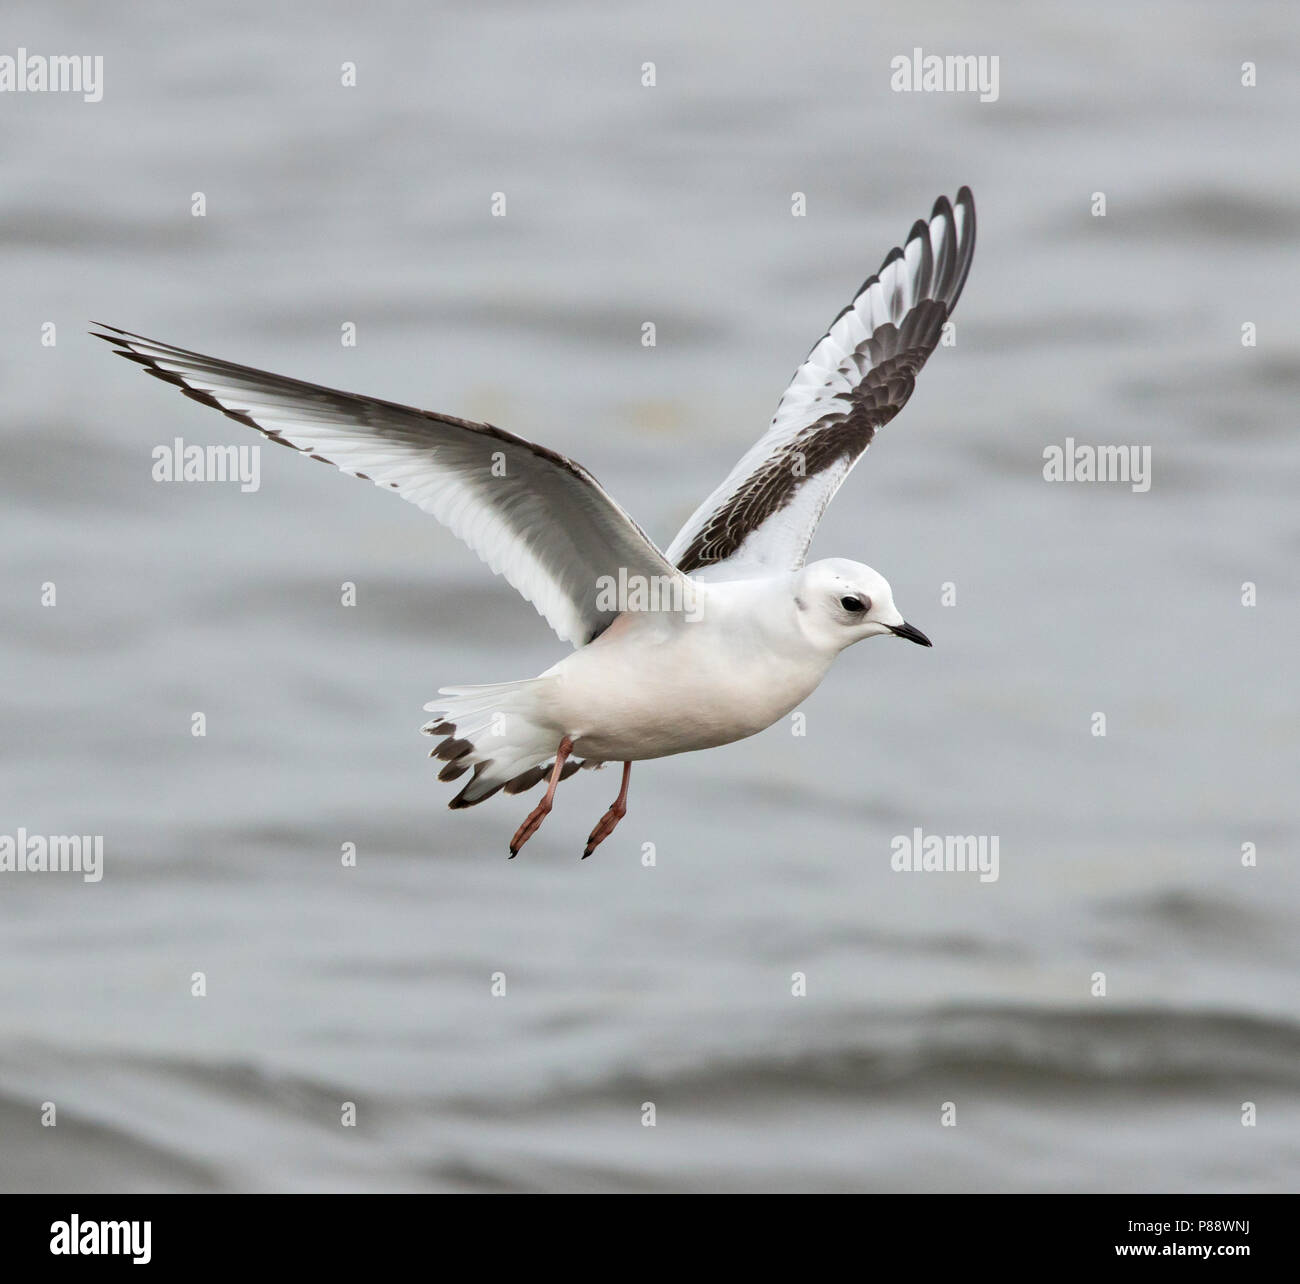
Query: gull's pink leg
[(611, 818), (543, 808)]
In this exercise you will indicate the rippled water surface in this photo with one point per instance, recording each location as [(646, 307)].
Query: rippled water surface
[(669, 983)]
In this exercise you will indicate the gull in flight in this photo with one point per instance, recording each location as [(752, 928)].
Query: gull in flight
[(708, 642)]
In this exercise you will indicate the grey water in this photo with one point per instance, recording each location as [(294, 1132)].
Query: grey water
[(740, 954)]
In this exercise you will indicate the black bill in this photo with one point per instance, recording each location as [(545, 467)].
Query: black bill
[(911, 633)]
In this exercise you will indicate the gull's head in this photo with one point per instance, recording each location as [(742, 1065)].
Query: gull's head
[(841, 602)]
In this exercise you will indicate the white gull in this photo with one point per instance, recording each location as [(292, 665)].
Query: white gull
[(706, 643)]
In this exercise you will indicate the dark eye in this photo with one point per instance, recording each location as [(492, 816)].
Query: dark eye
[(855, 604)]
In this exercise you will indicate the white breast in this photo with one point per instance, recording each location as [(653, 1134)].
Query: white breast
[(654, 685)]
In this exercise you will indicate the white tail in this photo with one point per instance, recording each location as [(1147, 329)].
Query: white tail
[(493, 729)]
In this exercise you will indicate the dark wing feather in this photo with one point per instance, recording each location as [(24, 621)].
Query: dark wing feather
[(854, 381)]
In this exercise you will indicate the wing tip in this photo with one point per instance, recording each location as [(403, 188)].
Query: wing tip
[(114, 336), (965, 203)]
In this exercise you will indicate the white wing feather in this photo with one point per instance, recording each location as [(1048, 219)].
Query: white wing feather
[(534, 516)]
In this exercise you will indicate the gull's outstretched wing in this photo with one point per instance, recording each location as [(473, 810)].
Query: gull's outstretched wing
[(858, 377), (534, 516)]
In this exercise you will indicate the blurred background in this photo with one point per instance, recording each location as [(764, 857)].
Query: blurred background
[(668, 983)]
